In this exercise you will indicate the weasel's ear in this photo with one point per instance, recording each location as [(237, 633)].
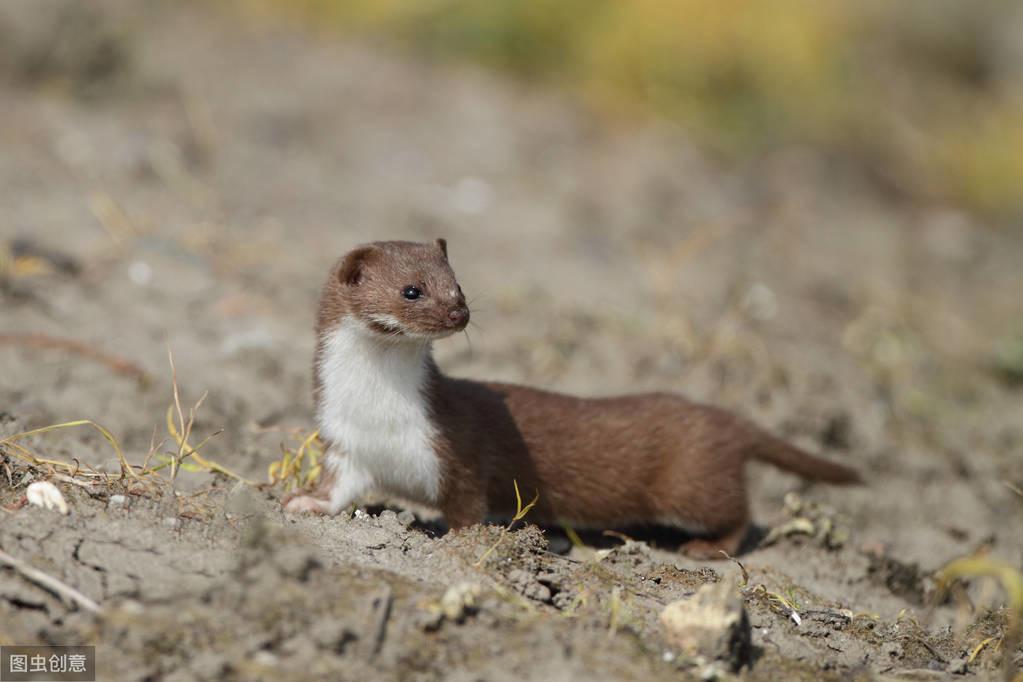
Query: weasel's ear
[(442, 244), (350, 270)]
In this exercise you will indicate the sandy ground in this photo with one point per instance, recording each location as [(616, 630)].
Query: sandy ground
[(182, 181)]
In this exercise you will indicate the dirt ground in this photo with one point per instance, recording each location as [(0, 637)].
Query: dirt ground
[(173, 177)]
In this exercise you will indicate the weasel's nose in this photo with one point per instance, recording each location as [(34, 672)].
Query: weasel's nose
[(458, 316)]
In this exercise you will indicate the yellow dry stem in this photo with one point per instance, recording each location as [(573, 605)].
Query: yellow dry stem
[(1011, 580), (293, 469), (573, 537), (977, 649), (10, 440), (188, 451), (985, 567), (520, 513)]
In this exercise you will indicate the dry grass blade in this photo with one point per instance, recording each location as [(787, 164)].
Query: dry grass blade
[(980, 647), (1011, 580), (181, 416), (573, 537), (616, 611), (298, 468), (781, 603), (182, 431), (745, 573), (520, 513), (88, 485), (50, 583), (186, 451), (146, 479), (32, 459), (1009, 576)]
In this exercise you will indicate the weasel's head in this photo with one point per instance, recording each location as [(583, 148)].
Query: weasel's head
[(401, 291)]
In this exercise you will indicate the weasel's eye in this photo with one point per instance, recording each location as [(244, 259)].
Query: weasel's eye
[(411, 293)]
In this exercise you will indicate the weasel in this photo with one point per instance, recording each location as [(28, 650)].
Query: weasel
[(392, 421)]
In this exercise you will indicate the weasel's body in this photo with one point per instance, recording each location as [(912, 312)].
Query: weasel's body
[(395, 423)]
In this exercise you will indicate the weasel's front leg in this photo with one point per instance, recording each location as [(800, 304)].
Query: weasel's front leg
[(464, 508), (344, 482)]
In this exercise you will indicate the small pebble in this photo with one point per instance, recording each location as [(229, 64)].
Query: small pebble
[(713, 671), (46, 495), (406, 518), (132, 607), (140, 272), (264, 658), (430, 619), (459, 600), (117, 502), (172, 522), (958, 666)]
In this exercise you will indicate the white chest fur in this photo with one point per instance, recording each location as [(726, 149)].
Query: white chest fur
[(373, 408)]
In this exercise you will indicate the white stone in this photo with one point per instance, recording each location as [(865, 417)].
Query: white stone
[(46, 495)]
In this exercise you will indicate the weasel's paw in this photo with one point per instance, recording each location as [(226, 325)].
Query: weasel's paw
[(305, 504), (711, 548), (704, 550)]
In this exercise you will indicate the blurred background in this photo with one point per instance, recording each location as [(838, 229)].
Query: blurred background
[(924, 98), (808, 211)]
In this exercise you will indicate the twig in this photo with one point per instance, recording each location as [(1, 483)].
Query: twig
[(934, 652), (116, 364), (49, 583)]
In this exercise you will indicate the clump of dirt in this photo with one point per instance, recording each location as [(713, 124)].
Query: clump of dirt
[(904, 580), (814, 520)]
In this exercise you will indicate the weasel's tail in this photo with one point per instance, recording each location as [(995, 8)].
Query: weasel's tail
[(786, 456)]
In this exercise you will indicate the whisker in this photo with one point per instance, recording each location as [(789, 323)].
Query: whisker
[(474, 299), (476, 327)]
